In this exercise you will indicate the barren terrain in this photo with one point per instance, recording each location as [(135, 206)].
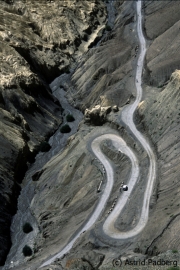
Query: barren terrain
[(65, 195)]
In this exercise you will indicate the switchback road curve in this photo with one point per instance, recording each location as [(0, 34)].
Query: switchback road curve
[(127, 118), (119, 143)]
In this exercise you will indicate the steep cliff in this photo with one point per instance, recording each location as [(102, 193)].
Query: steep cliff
[(66, 191), (29, 114), (39, 40)]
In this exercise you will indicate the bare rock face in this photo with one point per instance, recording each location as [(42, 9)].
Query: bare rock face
[(97, 115), (67, 187), (163, 29), (115, 108), (161, 120), (28, 115), (39, 40), (78, 264), (160, 16), (50, 34), (102, 77)]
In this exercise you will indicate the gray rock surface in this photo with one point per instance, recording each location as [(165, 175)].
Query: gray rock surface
[(97, 115), (28, 115), (161, 120), (39, 40), (66, 192)]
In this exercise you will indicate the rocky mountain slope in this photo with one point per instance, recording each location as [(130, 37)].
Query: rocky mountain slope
[(66, 191), (39, 40)]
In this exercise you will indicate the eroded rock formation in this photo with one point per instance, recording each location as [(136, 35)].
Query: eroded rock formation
[(67, 189), (39, 40), (97, 115)]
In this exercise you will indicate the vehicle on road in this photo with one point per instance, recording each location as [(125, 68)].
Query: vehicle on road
[(125, 188), (99, 187)]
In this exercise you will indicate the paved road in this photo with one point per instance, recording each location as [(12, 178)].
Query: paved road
[(119, 143)]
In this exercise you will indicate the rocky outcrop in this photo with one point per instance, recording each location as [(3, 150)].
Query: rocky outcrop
[(159, 17), (51, 34), (162, 28), (74, 192), (97, 115), (161, 120), (105, 74), (38, 42), (67, 189), (28, 115)]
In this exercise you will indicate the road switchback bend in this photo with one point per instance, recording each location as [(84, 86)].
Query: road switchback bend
[(120, 145)]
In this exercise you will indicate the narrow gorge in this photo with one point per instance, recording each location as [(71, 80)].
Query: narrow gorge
[(78, 65)]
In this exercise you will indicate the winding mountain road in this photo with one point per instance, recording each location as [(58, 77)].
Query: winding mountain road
[(127, 118), (120, 145)]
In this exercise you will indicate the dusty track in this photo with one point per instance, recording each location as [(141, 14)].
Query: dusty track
[(119, 143), (127, 118)]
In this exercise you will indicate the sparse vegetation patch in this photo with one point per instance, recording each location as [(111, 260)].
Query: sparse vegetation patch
[(70, 118), (27, 228), (27, 251), (174, 251), (108, 28), (65, 129), (44, 146)]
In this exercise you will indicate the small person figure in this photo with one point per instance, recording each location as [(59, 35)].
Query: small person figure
[(121, 186)]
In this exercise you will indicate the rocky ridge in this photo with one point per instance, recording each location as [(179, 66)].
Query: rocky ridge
[(39, 40), (67, 187)]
